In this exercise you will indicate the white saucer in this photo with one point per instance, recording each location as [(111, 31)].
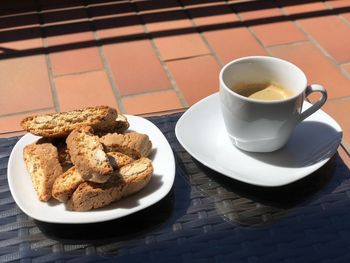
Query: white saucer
[(160, 184), (201, 131)]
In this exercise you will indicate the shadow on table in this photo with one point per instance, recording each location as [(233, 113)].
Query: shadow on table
[(140, 222), (250, 205), (160, 215)]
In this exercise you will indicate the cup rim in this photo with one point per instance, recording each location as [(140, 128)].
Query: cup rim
[(222, 83)]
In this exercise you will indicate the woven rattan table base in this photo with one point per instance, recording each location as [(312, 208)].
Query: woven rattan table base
[(206, 217)]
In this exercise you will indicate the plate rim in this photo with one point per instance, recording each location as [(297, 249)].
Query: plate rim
[(218, 169), (90, 218)]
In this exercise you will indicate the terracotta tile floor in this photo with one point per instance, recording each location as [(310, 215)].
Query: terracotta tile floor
[(154, 57)]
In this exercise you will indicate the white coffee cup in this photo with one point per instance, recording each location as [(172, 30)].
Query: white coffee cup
[(264, 125)]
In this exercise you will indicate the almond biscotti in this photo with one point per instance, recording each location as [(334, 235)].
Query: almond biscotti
[(88, 156), (136, 175), (69, 181), (134, 144), (63, 153), (43, 166), (66, 184), (91, 195), (100, 118), (130, 179), (118, 159), (122, 124)]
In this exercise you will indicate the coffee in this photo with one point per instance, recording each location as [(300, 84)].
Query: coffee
[(262, 91)]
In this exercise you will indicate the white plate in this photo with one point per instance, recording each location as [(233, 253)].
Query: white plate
[(54, 212), (201, 131)]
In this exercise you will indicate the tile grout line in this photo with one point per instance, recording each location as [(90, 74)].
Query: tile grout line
[(106, 68), (343, 144), (267, 47), (341, 18), (316, 44), (347, 23), (346, 73), (173, 83), (339, 99), (346, 147), (250, 30), (25, 112), (163, 112), (78, 73), (12, 133), (188, 57), (195, 27), (54, 94), (153, 92)]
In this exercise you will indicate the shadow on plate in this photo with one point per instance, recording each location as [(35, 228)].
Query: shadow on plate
[(310, 143)]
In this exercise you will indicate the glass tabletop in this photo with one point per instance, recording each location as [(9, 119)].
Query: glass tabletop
[(205, 217)]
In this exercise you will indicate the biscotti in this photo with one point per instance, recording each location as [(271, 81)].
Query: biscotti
[(134, 144), (69, 181), (43, 166), (122, 124), (85, 158), (130, 179), (136, 175), (66, 184), (62, 150), (88, 156), (91, 195), (61, 124), (117, 159)]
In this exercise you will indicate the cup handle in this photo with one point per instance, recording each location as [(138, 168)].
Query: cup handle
[(317, 105)]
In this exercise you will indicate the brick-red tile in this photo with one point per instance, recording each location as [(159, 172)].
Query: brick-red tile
[(328, 30), (82, 54), (20, 33), (174, 35), (275, 33), (25, 85), (305, 9), (135, 67), (196, 77), (227, 44), (181, 46), (75, 61), (317, 67), (226, 41), (12, 123), (82, 90), (346, 67), (341, 8), (332, 34), (338, 109), (152, 102), (216, 13), (117, 19), (269, 23), (11, 134), (166, 20)]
